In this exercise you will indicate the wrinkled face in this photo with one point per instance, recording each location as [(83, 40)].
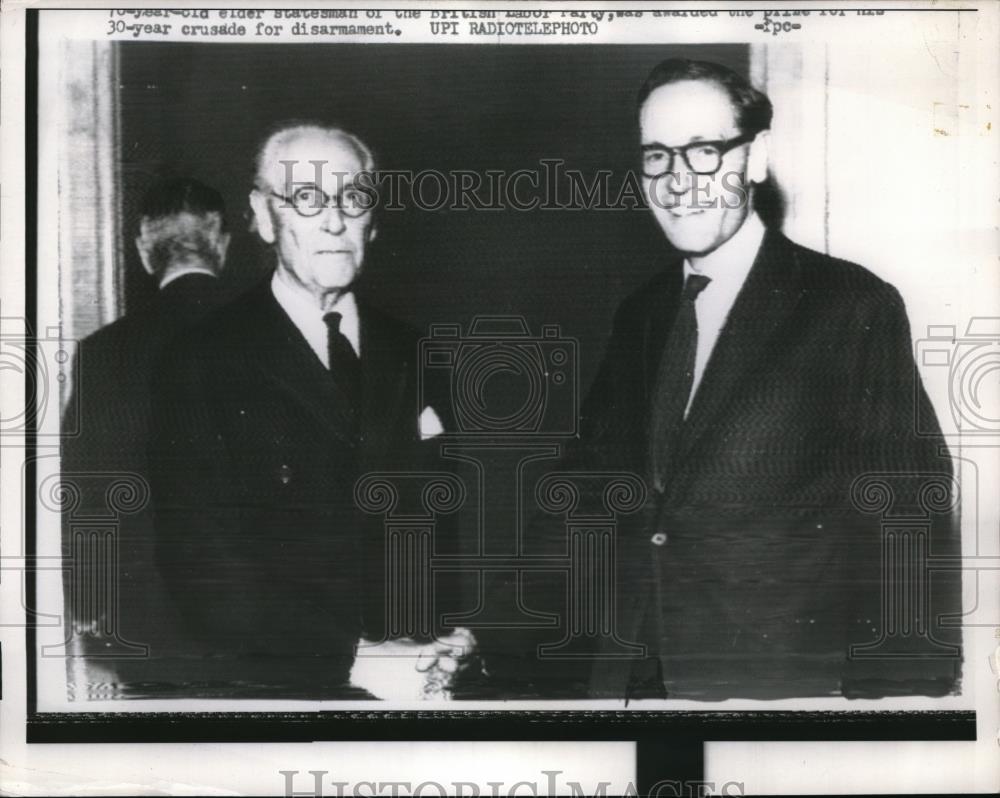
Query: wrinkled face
[(697, 212), (322, 253)]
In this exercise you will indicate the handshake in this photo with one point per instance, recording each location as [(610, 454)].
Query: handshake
[(405, 670)]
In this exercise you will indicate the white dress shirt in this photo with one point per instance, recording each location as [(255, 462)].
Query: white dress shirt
[(183, 271), (728, 267), (305, 314)]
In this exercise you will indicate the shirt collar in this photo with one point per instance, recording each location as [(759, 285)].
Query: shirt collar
[(308, 316), (731, 263), (183, 271)]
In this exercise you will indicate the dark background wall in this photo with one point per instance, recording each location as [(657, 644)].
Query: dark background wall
[(199, 110)]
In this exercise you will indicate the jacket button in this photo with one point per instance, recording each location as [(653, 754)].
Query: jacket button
[(285, 474), (658, 539)]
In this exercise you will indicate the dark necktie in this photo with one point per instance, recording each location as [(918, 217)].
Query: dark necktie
[(674, 381), (344, 363)]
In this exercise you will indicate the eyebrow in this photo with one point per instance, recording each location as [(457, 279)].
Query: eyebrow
[(656, 145), (298, 186)]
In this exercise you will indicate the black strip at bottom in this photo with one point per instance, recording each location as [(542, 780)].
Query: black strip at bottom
[(668, 768), (634, 725)]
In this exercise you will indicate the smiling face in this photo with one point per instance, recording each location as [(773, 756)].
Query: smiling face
[(322, 254), (697, 212)]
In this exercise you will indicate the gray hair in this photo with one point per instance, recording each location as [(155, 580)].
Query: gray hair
[(280, 134)]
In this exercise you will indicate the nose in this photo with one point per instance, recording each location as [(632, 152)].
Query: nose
[(332, 220), (680, 180), (669, 189)]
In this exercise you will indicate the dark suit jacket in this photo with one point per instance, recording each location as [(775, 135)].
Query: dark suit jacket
[(769, 571), (255, 456), (110, 409), (113, 370)]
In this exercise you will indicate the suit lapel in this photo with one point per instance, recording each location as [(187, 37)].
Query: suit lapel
[(282, 356), (770, 294), (659, 319)]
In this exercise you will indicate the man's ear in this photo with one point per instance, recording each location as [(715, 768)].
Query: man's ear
[(262, 215), (372, 232), (757, 159), (223, 247), (143, 247)]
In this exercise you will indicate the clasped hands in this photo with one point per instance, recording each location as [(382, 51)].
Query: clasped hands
[(405, 669)]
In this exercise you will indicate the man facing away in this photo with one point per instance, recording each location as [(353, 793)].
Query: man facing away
[(751, 382), (267, 415), (182, 244)]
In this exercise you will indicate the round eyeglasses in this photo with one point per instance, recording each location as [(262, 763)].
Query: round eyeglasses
[(700, 157), (311, 201)]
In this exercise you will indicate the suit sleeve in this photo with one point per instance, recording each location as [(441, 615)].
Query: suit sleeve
[(892, 452), (889, 392)]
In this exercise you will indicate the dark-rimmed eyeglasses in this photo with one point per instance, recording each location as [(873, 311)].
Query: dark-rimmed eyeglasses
[(311, 201), (700, 157)]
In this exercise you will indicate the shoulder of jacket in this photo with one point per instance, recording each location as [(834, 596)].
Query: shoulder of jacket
[(821, 271), (390, 330), (641, 299)]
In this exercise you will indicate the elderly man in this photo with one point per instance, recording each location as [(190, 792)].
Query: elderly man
[(267, 415), (182, 244), (752, 381)]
